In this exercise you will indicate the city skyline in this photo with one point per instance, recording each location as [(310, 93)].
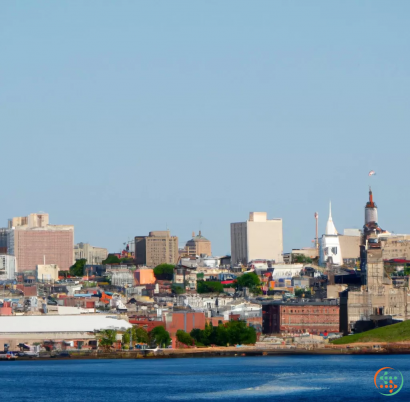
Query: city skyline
[(323, 219)]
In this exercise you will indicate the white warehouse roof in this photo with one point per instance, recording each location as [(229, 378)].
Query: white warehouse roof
[(55, 323)]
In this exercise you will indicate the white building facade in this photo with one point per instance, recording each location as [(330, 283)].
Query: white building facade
[(330, 250), (47, 272), (257, 238), (93, 255), (8, 267)]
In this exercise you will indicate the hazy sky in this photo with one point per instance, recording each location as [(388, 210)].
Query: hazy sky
[(122, 117)]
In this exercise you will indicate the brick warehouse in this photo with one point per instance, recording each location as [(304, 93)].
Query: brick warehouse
[(312, 317)]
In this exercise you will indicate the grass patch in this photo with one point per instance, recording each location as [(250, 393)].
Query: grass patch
[(391, 333)]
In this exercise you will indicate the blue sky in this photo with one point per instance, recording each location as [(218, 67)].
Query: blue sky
[(129, 116)]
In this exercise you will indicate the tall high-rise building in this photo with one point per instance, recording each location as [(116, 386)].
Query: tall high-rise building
[(257, 238), (158, 247), (198, 245), (33, 241)]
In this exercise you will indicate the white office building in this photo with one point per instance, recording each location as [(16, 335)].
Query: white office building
[(259, 238), (8, 267)]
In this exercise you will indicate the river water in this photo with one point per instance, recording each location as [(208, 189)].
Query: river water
[(264, 378)]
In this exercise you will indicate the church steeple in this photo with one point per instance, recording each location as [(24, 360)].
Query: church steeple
[(330, 226)]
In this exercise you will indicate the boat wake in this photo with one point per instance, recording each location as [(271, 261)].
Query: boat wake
[(268, 389)]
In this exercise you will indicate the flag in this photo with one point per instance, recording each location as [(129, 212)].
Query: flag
[(371, 173)]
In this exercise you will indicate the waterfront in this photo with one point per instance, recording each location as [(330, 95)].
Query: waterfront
[(278, 378)]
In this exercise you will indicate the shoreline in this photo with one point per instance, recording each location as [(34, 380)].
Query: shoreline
[(214, 352)]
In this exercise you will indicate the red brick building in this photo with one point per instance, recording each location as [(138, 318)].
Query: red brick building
[(313, 317), (145, 323), (185, 320), (33, 241), (84, 302), (172, 321), (28, 291), (215, 321)]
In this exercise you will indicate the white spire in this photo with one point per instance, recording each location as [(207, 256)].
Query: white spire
[(330, 226)]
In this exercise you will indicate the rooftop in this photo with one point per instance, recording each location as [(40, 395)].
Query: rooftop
[(66, 323), (198, 237), (297, 303)]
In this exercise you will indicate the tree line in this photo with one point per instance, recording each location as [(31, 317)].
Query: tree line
[(225, 334), (158, 337)]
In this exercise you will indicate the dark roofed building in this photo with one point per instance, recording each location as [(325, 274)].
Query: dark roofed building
[(198, 245)]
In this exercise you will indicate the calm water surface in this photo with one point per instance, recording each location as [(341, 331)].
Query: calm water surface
[(289, 378)]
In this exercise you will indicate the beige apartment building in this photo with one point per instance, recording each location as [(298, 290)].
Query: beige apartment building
[(33, 241), (257, 238), (198, 245), (48, 272), (396, 247), (93, 255), (158, 247), (350, 248)]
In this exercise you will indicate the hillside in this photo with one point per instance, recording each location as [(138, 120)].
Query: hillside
[(392, 333)]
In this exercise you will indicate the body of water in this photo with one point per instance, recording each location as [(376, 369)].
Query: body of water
[(267, 378)]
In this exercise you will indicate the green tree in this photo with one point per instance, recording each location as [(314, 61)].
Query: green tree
[(301, 259), (209, 329), (250, 280), (302, 293), (199, 337), (221, 336), (78, 268), (139, 335), (239, 333), (126, 260), (233, 332), (164, 271), (111, 259), (209, 287), (160, 337), (185, 338), (106, 338), (179, 290)]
